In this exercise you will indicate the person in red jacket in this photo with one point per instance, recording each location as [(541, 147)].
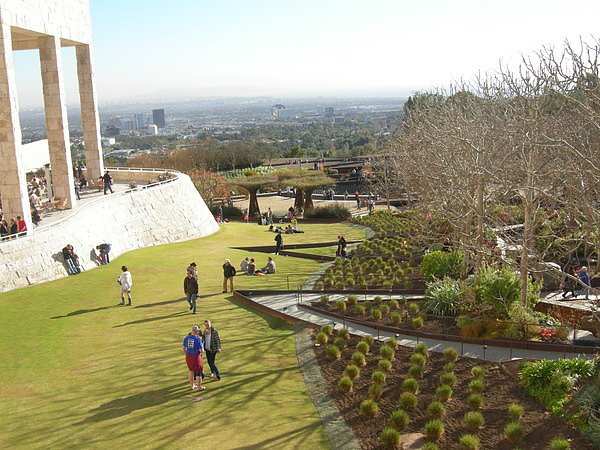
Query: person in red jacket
[(21, 225)]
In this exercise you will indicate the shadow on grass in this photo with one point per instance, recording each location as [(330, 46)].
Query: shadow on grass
[(280, 440), (273, 322), (84, 311), (166, 302), (152, 319), (126, 405)]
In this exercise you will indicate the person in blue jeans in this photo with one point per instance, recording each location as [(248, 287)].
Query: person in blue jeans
[(190, 287), (212, 346), (585, 279)]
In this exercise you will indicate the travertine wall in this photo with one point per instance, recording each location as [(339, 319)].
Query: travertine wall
[(171, 212)]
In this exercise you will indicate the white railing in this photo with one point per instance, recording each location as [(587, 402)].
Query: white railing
[(100, 199)]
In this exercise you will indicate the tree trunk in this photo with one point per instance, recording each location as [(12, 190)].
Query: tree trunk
[(308, 201), (528, 214), (464, 243), (480, 220), (253, 208), (299, 202)]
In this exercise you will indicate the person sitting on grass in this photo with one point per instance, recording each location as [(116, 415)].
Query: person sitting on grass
[(251, 269), (270, 267), (244, 264)]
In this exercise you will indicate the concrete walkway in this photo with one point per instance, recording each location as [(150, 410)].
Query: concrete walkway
[(290, 304)]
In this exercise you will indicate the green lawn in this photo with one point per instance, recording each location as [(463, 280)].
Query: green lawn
[(77, 371)]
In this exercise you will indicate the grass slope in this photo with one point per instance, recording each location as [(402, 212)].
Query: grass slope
[(77, 371)]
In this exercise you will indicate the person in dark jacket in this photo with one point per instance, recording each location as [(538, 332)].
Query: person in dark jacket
[(190, 287), (228, 274), (278, 242), (104, 250), (212, 346)]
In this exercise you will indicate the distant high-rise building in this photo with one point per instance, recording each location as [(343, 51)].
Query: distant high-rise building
[(152, 130), (112, 130), (126, 124), (158, 118), (139, 121), (329, 111)]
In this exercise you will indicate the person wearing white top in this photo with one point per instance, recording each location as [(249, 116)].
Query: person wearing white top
[(126, 282)]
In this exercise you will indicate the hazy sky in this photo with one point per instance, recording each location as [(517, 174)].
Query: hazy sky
[(160, 48)]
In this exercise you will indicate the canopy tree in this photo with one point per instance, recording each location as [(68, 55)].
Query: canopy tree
[(305, 182), (252, 184)]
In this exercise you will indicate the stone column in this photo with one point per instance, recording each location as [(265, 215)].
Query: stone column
[(13, 186), (89, 113), (57, 127)]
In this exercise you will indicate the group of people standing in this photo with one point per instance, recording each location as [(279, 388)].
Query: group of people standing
[(196, 343), (574, 279), (16, 228)]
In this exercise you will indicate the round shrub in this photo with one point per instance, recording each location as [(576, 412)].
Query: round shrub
[(450, 354), (378, 377), (352, 299), (333, 353), (448, 378), (368, 408), (476, 386), (408, 401), (327, 329), (469, 442), (322, 338), (375, 391), (324, 300), (410, 385), (362, 347), (436, 410), (340, 343), (385, 309), (377, 300), (391, 342), (415, 372), (376, 314), (417, 322), (560, 444), (434, 429), (390, 438), (443, 393), (343, 333), (351, 371), (399, 419), (473, 420), (386, 352), (422, 349), (475, 401), (417, 359), (429, 446), (358, 359), (340, 305), (368, 339), (515, 411), (414, 308), (359, 310), (384, 364), (450, 366), (394, 304), (478, 372), (345, 384), (395, 318), (514, 431)]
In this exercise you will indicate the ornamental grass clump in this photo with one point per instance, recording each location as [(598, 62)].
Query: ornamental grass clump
[(378, 377), (359, 310), (448, 378), (475, 401), (514, 432), (414, 308), (434, 429), (376, 313), (385, 309), (386, 352), (443, 393), (343, 333), (560, 444), (327, 329), (390, 438), (478, 372), (358, 359), (385, 365), (449, 366), (476, 386), (422, 349), (417, 359), (378, 300), (515, 411), (375, 390), (469, 442), (368, 408), (429, 446), (450, 354), (410, 385), (394, 304), (399, 419), (395, 318), (322, 338), (362, 347), (417, 322), (407, 401), (324, 299), (333, 353), (436, 410), (368, 339), (345, 384), (415, 372), (352, 299), (391, 342), (340, 305), (340, 343), (473, 420), (351, 371)]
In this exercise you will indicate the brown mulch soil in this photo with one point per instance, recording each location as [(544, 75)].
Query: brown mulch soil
[(501, 390)]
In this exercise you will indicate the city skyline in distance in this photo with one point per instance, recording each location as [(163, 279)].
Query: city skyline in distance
[(189, 49)]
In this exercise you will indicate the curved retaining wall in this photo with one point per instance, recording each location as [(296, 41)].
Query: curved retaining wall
[(169, 212)]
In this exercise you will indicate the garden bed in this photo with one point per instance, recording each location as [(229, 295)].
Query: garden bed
[(501, 390)]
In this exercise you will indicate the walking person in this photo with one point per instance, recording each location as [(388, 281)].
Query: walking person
[(192, 349), (193, 269), (569, 282), (269, 217), (126, 282), (212, 346), (107, 182), (190, 288), (585, 279), (228, 274), (357, 198), (278, 242)]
